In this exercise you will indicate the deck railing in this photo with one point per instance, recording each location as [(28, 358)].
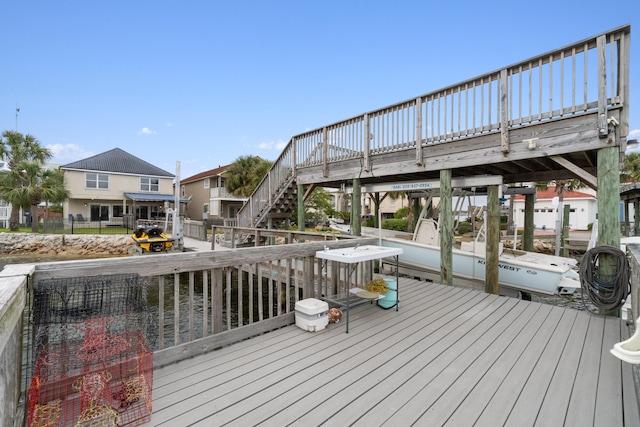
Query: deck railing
[(204, 300), (587, 76), (272, 185)]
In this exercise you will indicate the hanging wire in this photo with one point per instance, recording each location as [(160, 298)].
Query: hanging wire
[(606, 291)]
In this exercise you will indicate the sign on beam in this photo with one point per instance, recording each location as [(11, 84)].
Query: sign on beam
[(461, 182)]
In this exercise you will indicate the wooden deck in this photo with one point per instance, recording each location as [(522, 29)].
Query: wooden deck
[(449, 356)]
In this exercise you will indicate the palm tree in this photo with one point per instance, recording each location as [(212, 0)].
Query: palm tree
[(28, 184), (15, 148), (244, 175), (631, 170)]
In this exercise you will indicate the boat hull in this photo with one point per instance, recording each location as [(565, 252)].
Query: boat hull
[(546, 276)]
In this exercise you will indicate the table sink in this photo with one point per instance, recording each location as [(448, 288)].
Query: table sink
[(358, 253)]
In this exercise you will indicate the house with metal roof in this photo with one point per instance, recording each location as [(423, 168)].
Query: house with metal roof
[(209, 198), (116, 187)]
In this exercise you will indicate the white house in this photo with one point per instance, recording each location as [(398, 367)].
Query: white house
[(583, 209), (115, 185)]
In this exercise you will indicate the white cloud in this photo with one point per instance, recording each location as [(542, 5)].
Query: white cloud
[(271, 145), (146, 131), (634, 134), (66, 153)]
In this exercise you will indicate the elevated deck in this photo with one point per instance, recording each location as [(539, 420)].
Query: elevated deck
[(449, 356)]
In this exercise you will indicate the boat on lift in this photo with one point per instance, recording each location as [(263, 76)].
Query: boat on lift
[(518, 270)]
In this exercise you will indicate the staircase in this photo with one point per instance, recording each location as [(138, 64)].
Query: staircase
[(275, 198)]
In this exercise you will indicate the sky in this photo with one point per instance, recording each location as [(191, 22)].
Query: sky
[(203, 82)]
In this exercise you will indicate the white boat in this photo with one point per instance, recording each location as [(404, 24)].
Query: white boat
[(341, 228), (518, 270)]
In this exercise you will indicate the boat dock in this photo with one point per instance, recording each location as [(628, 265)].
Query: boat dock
[(449, 356)]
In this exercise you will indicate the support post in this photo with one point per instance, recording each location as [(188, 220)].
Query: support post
[(492, 240), (565, 231), (356, 208), (636, 216), (269, 227), (527, 236), (608, 197), (445, 221), (300, 207), (608, 211), (626, 218), (415, 213)]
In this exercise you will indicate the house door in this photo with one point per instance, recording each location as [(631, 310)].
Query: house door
[(99, 213), (142, 212)]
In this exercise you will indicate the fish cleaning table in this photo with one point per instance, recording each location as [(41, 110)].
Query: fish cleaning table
[(358, 254)]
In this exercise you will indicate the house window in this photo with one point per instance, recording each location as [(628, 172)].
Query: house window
[(97, 180), (206, 183), (149, 184), (117, 211), (183, 191)]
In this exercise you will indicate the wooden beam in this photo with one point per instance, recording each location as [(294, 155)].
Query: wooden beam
[(325, 152), (367, 141), (418, 126), (504, 111), (492, 240), (309, 190), (608, 197), (356, 208), (603, 128), (580, 173), (527, 236), (445, 221), (300, 207)]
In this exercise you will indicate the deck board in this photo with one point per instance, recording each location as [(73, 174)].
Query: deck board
[(449, 356)]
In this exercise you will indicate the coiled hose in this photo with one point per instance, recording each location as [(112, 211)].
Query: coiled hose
[(606, 291)]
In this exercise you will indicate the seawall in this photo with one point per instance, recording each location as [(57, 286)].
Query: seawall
[(65, 244)]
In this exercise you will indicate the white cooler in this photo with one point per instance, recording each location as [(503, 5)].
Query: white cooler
[(311, 314)]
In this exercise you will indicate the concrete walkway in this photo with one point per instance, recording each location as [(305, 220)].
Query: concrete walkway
[(194, 245)]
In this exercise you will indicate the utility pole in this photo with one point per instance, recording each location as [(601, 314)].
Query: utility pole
[(17, 111)]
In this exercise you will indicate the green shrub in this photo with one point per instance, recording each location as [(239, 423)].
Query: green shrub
[(395, 224), (401, 213)]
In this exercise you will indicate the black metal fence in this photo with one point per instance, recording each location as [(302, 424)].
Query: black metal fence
[(63, 226)]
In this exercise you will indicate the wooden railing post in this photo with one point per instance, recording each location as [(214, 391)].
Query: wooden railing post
[(294, 157), (504, 111), (601, 43), (366, 142), (325, 152), (418, 130), (216, 300), (308, 287)]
